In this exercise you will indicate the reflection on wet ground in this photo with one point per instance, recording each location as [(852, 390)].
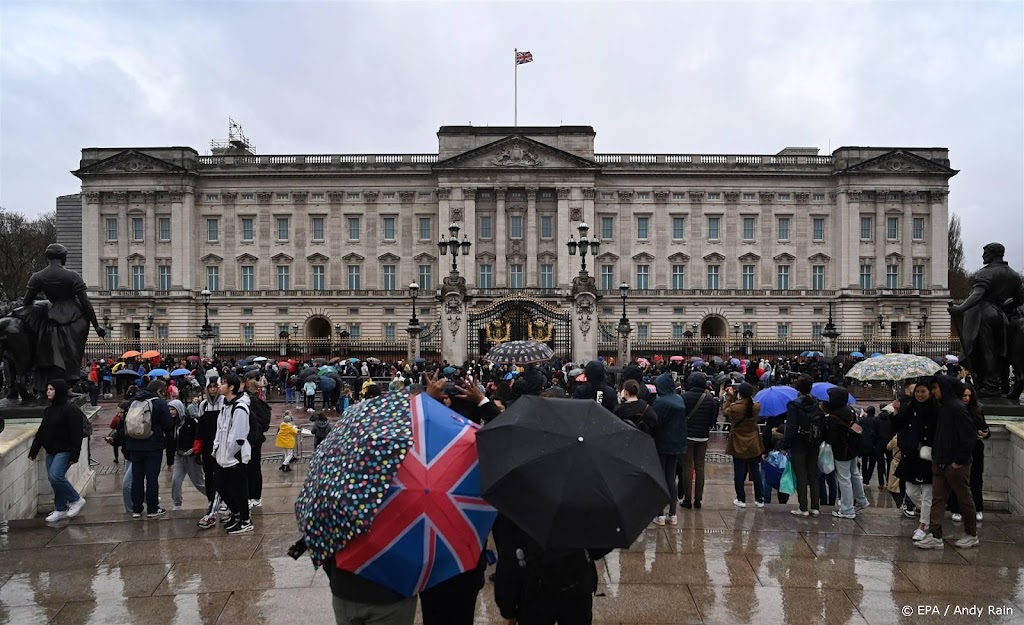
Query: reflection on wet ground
[(719, 565)]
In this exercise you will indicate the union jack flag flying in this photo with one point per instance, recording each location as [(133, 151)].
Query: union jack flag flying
[(432, 524), (523, 57)]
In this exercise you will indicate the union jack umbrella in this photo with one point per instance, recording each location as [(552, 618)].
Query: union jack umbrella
[(400, 485)]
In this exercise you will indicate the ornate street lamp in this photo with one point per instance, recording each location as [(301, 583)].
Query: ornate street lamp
[(624, 293), (923, 326), (206, 332), (414, 290), (830, 333), (454, 245), (583, 244)]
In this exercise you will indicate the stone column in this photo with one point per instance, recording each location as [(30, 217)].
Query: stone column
[(96, 230), (454, 330), (182, 239), (124, 238), (907, 241), (937, 244), (624, 331), (532, 276), (563, 230), (206, 347), (412, 351), (467, 220), (149, 206), (881, 242), (584, 319), (500, 240)]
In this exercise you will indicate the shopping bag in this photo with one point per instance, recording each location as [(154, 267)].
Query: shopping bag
[(826, 460), (773, 475), (788, 483), (778, 460)]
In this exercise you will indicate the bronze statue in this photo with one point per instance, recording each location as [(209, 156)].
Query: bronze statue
[(46, 338), (987, 322)]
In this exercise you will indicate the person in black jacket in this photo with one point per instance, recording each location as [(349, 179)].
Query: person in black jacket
[(802, 438), (147, 453), (60, 433), (595, 387), (209, 411), (952, 449), (978, 460), (634, 410), (633, 372), (701, 412), (873, 450), (915, 426), (846, 438)]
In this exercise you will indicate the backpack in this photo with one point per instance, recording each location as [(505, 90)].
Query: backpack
[(138, 423), (557, 574), (259, 419), (813, 424)]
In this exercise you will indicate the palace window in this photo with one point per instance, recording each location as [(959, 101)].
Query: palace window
[(868, 329), (714, 228), (917, 277), (389, 228), (547, 227), (138, 228), (607, 228), (318, 282), (284, 196), (714, 275), (819, 228), (747, 281), (354, 277), (212, 230), (284, 278), (783, 228), (112, 284), (486, 280), (865, 229), (354, 331), (678, 331), (248, 278), (714, 196), (515, 276), (248, 234), (316, 196), (818, 197), (892, 228), (547, 276), (918, 228), (749, 197), (389, 281), (353, 228), (818, 277), (317, 226), (643, 195), (892, 276), (164, 272), (248, 196), (678, 195), (643, 277), (643, 228), (607, 277), (749, 223), (389, 332), (162, 332), (783, 196), (426, 231), (782, 283), (678, 228), (486, 227), (425, 277), (355, 196), (865, 276), (248, 332), (782, 331), (816, 328), (138, 277), (678, 277), (164, 228), (282, 228), (643, 331), (111, 228), (515, 227)]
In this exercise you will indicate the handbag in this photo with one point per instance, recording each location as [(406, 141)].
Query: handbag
[(925, 452), (826, 459), (787, 484)]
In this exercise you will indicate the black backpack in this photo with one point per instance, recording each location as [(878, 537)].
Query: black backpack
[(813, 423), (555, 574), (259, 419)]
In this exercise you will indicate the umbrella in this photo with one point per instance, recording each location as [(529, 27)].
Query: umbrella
[(252, 368), (736, 376), (767, 375), (653, 389), (150, 354), (893, 368), (876, 354), (575, 372), (773, 400), (511, 375), (448, 371), (131, 354), (308, 371), (519, 353), (811, 354), (676, 359), (696, 358), (406, 469), (128, 372), (420, 360), (856, 354), (260, 359), (581, 377), (319, 361), (178, 372), (953, 359), (375, 361), (734, 362), (353, 360), (697, 362), (159, 373), (310, 376), (193, 358), (242, 363), (570, 473), (284, 364), (643, 362), (717, 360), (252, 375), (819, 390)]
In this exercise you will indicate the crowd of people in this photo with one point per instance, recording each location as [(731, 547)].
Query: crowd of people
[(209, 424)]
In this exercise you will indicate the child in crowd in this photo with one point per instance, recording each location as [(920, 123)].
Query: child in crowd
[(114, 438), (321, 428), (309, 392), (286, 433)]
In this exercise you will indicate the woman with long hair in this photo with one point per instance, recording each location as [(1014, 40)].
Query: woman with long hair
[(60, 433), (744, 444), (915, 426), (970, 400)]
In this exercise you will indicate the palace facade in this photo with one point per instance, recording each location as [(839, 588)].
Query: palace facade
[(710, 245)]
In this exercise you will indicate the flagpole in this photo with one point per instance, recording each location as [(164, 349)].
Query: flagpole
[(515, 61)]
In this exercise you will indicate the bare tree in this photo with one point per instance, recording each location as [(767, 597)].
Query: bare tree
[(22, 247), (959, 280)]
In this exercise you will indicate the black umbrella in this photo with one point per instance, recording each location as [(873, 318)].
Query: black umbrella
[(519, 353), (308, 372), (319, 361), (570, 473), (128, 372), (252, 375), (252, 368)]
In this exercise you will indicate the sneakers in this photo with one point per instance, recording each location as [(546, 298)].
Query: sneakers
[(56, 515), (659, 520), (76, 507), (844, 515), (231, 524), (160, 512), (760, 504), (799, 512), (136, 516), (908, 512), (241, 527), (223, 507), (980, 516), (740, 504), (967, 541), (207, 522), (255, 503), (957, 517), (176, 507), (672, 519), (864, 505), (685, 503), (919, 534), (815, 512), (931, 542)]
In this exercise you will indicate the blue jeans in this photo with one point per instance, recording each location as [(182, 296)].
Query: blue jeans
[(827, 488), (64, 493), (126, 485), (289, 395), (851, 486), (740, 468), (145, 480)]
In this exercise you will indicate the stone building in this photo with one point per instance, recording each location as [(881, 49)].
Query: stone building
[(710, 245), (69, 228)]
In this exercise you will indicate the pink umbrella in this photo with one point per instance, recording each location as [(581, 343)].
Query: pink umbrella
[(652, 388), (676, 359), (643, 362), (581, 377)]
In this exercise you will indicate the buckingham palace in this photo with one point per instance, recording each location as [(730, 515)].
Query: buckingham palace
[(325, 247)]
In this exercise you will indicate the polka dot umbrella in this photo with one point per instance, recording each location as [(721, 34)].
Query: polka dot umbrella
[(519, 353)]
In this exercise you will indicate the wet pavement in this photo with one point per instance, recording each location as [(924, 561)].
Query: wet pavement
[(719, 565)]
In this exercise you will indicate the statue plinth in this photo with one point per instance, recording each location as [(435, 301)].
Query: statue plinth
[(13, 411)]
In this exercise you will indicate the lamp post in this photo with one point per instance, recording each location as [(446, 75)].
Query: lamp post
[(583, 245), (923, 325), (337, 334), (206, 332), (414, 290), (624, 328), (412, 351), (831, 334), (454, 245)]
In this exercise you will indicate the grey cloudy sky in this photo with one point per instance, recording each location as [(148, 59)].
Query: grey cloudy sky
[(679, 77)]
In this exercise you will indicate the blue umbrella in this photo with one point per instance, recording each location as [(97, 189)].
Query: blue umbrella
[(420, 360), (159, 373), (876, 354), (856, 354), (819, 390), (511, 375), (178, 372), (241, 363), (698, 363), (767, 375), (773, 400), (734, 362), (811, 354), (353, 360), (448, 371)]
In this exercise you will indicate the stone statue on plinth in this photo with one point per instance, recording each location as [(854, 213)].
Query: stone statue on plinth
[(990, 326), (45, 340)]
